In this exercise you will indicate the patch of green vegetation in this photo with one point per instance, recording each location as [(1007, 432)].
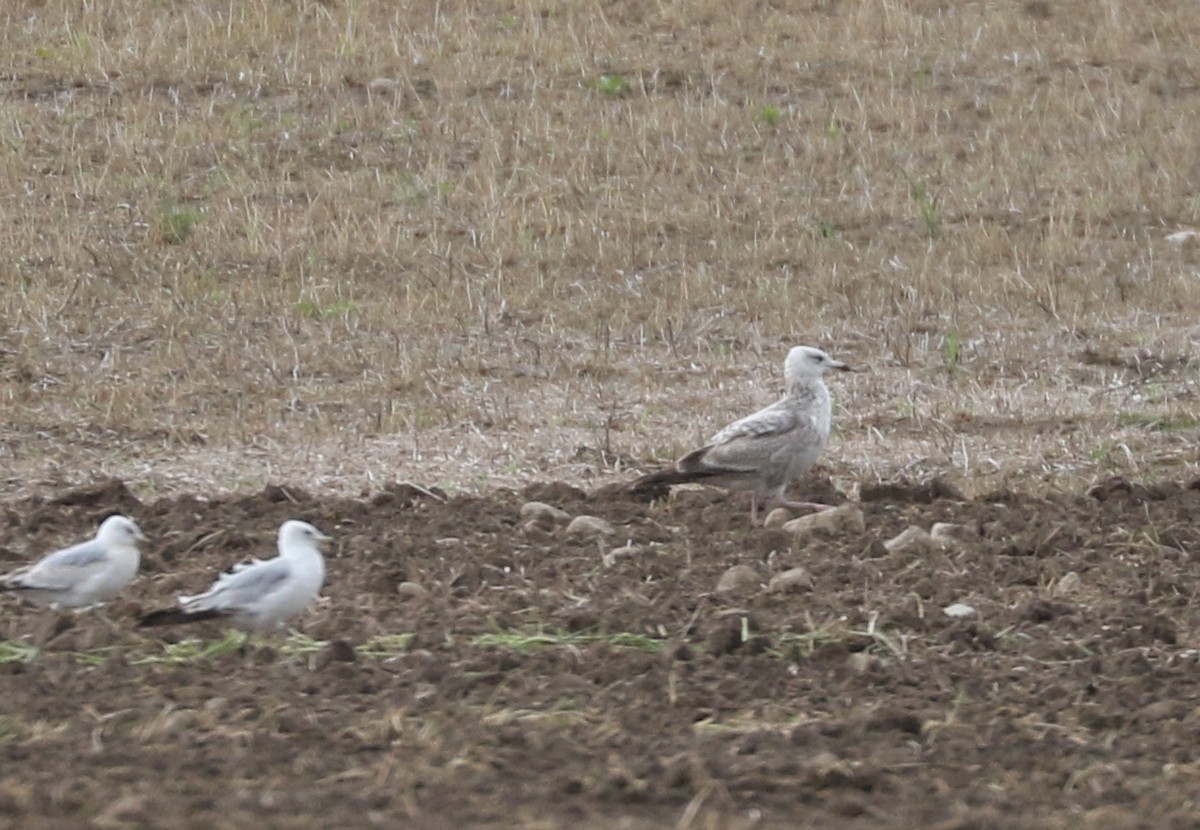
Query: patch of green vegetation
[(300, 645), (770, 115), (382, 646), (927, 207), (1102, 453), (18, 651), (525, 643), (801, 646), (923, 77), (317, 312), (296, 645), (951, 353), (175, 225), (12, 727), (613, 85), (190, 651), (94, 657)]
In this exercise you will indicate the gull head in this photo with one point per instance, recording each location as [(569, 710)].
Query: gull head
[(117, 530), (808, 363), (294, 532)]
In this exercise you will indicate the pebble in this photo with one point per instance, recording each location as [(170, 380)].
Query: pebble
[(613, 555), (911, 540), (848, 518), (777, 517), (412, 589), (1068, 583), (589, 527), (793, 579), (948, 536), (338, 651), (860, 662), (540, 511), (959, 611), (737, 578)]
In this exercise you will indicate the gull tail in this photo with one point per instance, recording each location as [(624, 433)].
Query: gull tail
[(690, 468), (15, 580), (177, 616)]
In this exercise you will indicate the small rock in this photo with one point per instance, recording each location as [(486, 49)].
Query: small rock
[(1042, 610), (1111, 817), (412, 589), (382, 84), (912, 540), (777, 517), (1161, 710), (732, 632), (265, 655), (1181, 237), (861, 662), (793, 579), (737, 578), (589, 527), (538, 530), (1068, 583), (51, 625), (613, 555), (539, 511), (959, 611), (948, 536), (338, 651), (847, 518), (682, 652)]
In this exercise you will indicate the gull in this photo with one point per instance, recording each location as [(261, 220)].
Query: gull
[(765, 451), (262, 594), (82, 575)]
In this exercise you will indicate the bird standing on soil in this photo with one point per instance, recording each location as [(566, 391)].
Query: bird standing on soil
[(263, 594), (82, 575), (763, 452)]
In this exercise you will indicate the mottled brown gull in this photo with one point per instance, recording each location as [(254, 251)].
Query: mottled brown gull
[(260, 595), (82, 575), (765, 451)]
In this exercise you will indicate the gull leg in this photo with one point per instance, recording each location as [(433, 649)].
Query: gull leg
[(753, 507)]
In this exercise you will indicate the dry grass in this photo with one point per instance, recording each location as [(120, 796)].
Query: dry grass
[(341, 243)]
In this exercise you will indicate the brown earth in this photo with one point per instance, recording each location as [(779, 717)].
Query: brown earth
[(851, 700)]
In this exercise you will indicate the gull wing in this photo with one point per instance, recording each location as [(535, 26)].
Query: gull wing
[(64, 569), (244, 587), (756, 441)]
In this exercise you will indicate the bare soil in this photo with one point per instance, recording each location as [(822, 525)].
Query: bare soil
[(850, 700)]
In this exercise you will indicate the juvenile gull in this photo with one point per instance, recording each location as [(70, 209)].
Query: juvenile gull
[(86, 574), (763, 452), (262, 594)]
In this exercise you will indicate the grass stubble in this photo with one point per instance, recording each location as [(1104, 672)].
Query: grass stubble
[(472, 245)]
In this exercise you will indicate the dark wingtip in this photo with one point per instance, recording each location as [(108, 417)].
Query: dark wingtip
[(175, 616), (657, 483)]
